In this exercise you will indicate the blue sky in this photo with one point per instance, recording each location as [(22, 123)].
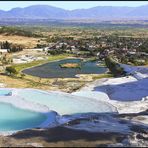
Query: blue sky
[(7, 5)]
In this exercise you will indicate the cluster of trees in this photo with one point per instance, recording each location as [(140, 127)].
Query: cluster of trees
[(11, 47), (5, 45), (114, 67), (11, 70), (56, 51), (143, 47), (138, 61)]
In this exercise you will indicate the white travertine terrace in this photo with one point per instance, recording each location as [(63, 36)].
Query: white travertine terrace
[(127, 94)]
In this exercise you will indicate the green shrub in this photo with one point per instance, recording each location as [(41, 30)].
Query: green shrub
[(22, 75), (11, 70)]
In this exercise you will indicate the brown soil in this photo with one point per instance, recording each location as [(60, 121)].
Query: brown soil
[(29, 42)]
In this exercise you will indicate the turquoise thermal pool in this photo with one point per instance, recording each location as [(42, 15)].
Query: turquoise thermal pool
[(13, 119), (30, 108)]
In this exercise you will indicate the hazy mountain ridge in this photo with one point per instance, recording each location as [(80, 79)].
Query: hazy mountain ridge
[(99, 12)]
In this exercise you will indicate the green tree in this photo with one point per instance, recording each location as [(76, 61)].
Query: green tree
[(11, 70)]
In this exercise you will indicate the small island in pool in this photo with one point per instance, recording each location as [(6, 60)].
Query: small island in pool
[(70, 65)]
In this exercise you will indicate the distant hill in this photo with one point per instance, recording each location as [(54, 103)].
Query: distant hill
[(141, 11), (99, 12)]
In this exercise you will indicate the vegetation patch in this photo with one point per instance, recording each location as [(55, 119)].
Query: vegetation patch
[(7, 30), (70, 65), (11, 70), (100, 76), (114, 67), (92, 59)]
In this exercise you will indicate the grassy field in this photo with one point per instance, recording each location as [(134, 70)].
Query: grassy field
[(105, 75)]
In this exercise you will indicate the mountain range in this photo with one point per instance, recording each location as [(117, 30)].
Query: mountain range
[(99, 12)]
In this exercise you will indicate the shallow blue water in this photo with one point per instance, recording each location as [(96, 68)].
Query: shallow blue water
[(53, 69), (12, 118), (65, 104), (5, 92)]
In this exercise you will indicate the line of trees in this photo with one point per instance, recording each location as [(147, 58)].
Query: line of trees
[(11, 47), (114, 67)]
